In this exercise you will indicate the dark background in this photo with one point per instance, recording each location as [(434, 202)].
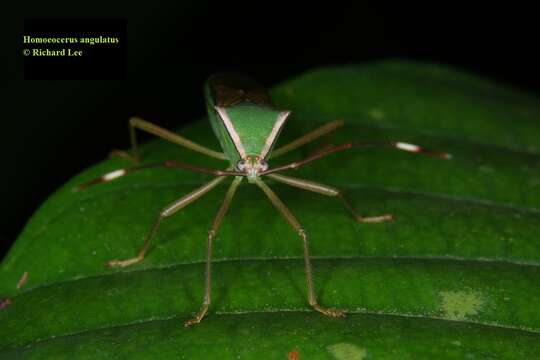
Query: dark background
[(51, 130), (106, 61)]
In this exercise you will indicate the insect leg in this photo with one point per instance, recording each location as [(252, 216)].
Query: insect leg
[(291, 219), (166, 212), (395, 145), (307, 138), (211, 233), (138, 123), (329, 191)]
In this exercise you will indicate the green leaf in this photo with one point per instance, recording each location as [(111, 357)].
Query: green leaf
[(455, 276)]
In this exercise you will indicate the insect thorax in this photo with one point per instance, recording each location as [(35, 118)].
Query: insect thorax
[(244, 126)]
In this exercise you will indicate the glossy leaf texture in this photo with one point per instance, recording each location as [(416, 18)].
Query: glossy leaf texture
[(455, 276)]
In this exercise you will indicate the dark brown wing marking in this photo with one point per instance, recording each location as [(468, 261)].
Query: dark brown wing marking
[(229, 89)]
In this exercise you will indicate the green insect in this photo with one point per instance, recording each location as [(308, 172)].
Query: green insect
[(247, 124)]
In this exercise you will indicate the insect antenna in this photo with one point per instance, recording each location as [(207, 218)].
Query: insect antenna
[(332, 149), (419, 149), (167, 164)]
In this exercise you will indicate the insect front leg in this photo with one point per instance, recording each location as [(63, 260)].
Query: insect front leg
[(329, 191), (291, 219), (138, 123), (211, 234), (307, 138), (166, 212)]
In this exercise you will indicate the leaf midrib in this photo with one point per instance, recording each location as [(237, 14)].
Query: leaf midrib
[(278, 258), (272, 311)]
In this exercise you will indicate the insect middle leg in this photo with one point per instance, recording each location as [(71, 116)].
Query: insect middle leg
[(211, 234), (166, 212), (291, 219), (329, 191), (138, 123)]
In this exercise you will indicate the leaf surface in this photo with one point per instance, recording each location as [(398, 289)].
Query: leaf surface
[(455, 275)]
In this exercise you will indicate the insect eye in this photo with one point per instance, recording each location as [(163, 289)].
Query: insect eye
[(258, 158), (241, 165), (264, 165)]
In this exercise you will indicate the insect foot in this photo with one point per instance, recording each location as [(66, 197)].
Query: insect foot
[(375, 219), (329, 311), (123, 263), (197, 319), (125, 155)]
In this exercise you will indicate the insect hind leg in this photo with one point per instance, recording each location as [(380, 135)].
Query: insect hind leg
[(291, 219), (211, 234)]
